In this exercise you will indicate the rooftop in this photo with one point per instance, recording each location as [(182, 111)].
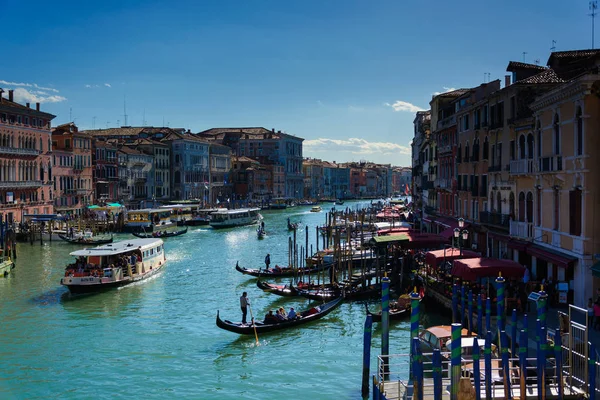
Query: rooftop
[(547, 76), (516, 65)]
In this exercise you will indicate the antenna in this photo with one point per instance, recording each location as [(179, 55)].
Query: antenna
[(593, 13), (524, 54), (93, 122), (107, 122), (118, 123), (70, 113), (553, 45), (144, 118), (537, 61), (125, 109)]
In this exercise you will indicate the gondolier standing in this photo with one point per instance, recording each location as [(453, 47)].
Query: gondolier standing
[(244, 306), (268, 261)]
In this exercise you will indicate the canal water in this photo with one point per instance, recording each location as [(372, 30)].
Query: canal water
[(158, 339)]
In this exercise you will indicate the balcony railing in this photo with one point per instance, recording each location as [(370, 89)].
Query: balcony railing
[(447, 122), (140, 180), (445, 149), (550, 164), (494, 168), (20, 184), (19, 152), (521, 167), (492, 218), (522, 230)]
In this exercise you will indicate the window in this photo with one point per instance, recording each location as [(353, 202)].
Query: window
[(522, 207), (530, 146), (556, 138), (522, 147), (539, 139), (486, 148), (529, 207), (513, 108), (512, 150), (575, 212), (579, 133), (556, 224)]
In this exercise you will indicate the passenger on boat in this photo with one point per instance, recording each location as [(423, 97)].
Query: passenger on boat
[(292, 313), (270, 318), (283, 313), (279, 316)]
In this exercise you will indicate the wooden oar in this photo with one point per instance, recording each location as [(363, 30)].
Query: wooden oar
[(253, 325)]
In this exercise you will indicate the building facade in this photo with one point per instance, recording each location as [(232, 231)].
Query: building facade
[(220, 169), (25, 163), (106, 171)]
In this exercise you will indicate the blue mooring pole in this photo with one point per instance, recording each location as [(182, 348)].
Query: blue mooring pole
[(487, 354), (479, 316), (542, 362), (463, 302), (477, 368), (367, 355), (454, 303), (500, 281), (437, 374), (488, 314), (523, 364), (470, 318), (538, 356), (455, 360), (513, 334), (385, 321), (505, 366), (418, 369)]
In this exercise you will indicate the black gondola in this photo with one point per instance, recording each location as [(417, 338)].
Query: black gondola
[(85, 241), (305, 317), (286, 290), (348, 293), (292, 226), (157, 235), (395, 313), (261, 233), (275, 272)]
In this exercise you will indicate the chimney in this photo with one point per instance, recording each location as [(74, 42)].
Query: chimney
[(37, 106), (506, 80), (10, 95), (27, 104), (1, 91)]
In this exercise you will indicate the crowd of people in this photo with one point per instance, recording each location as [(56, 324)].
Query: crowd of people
[(82, 268)]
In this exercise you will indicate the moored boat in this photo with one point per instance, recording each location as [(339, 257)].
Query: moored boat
[(285, 290), (85, 240), (160, 234), (147, 220), (312, 314), (279, 271), (6, 265), (315, 209), (112, 265), (398, 310), (232, 218), (261, 233), (201, 217)]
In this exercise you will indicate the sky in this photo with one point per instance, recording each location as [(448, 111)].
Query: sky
[(347, 76)]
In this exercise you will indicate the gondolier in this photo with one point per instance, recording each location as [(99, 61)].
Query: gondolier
[(268, 261), (244, 306)]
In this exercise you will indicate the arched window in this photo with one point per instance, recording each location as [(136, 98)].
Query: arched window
[(556, 142), (579, 133), (522, 207), (486, 148), (499, 203), (529, 207), (530, 146), (522, 147), (492, 200), (511, 204)]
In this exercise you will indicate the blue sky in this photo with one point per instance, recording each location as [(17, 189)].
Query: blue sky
[(345, 75)]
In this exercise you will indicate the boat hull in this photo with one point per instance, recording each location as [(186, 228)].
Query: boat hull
[(5, 267), (96, 285)]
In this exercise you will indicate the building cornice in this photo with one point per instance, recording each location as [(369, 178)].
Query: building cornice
[(581, 85)]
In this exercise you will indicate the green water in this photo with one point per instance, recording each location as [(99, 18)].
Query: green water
[(158, 339)]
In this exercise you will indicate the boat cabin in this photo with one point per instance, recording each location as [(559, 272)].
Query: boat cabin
[(179, 212), (147, 218)]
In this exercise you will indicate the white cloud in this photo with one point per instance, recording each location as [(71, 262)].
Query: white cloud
[(31, 85), (446, 90), (320, 103), (354, 146), (107, 85), (400, 105), (88, 86), (23, 95)]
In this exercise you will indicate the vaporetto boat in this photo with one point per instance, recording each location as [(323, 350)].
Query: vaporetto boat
[(112, 265), (231, 218)]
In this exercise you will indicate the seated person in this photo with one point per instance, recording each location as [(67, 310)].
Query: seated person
[(270, 318), (282, 312), (292, 313), (279, 316)]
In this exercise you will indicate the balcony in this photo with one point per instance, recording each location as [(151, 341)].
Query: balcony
[(141, 180), (20, 152), (522, 230), (494, 168), (445, 149), (20, 184), (521, 167), (443, 183), (550, 164), (82, 191), (492, 218), (446, 122)]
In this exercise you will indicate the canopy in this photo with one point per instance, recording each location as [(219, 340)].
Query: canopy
[(436, 257), (93, 207), (410, 240), (472, 269)]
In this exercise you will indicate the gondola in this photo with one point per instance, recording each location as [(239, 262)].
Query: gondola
[(162, 236), (275, 272), (261, 233), (312, 314), (348, 293), (285, 290), (292, 226), (85, 240), (396, 313)]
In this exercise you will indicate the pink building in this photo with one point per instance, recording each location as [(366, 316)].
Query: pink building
[(25, 165)]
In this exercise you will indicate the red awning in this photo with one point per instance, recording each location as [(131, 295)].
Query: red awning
[(392, 231), (447, 222), (436, 257), (472, 269), (424, 240), (552, 256)]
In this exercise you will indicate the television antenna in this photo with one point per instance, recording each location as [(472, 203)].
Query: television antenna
[(93, 122), (524, 54), (593, 13), (125, 110), (553, 45)]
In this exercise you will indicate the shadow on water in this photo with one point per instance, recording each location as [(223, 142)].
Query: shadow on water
[(51, 297)]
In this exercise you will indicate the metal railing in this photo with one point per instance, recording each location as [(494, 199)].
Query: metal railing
[(521, 167), (521, 229), (20, 184), (492, 218), (18, 151)]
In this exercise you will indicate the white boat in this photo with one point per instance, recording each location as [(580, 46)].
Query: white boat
[(116, 264), (148, 219), (316, 209), (231, 218), (6, 265)]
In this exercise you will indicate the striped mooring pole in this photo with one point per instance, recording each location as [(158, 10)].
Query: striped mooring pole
[(500, 281), (455, 359), (454, 303), (367, 355), (470, 317), (385, 321)]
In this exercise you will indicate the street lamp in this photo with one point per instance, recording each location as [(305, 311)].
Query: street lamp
[(458, 233)]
